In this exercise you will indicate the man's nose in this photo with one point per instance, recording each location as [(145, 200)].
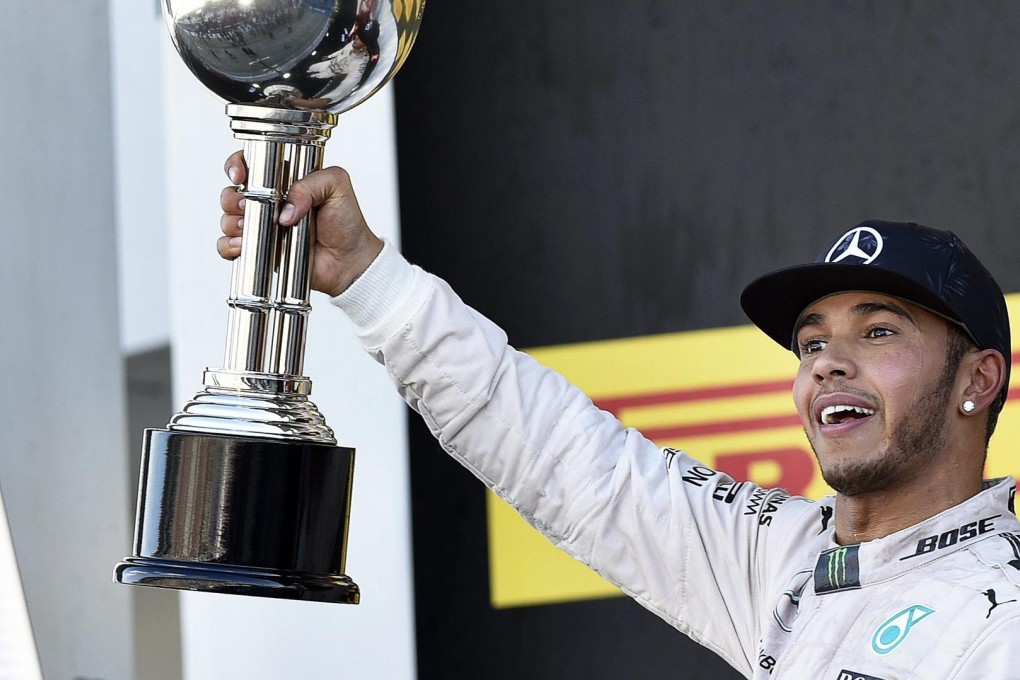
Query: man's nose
[(835, 361)]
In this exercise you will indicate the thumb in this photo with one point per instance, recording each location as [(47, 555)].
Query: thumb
[(313, 191)]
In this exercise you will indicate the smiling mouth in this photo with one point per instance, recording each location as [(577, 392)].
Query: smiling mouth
[(842, 413)]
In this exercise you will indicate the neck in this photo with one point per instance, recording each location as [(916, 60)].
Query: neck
[(876, 514)]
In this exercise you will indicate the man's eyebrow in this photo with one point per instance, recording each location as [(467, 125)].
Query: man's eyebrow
[(860, 310), (874, 307), (813, 319)]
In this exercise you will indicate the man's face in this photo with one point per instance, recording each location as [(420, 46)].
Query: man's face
[(871, 389)]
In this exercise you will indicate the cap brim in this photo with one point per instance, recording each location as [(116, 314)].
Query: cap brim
[(775, 301)]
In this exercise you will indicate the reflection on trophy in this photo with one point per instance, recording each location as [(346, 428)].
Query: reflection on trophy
[(245, 491)]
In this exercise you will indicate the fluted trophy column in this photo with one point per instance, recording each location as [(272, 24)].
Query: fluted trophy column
[(246, 491)]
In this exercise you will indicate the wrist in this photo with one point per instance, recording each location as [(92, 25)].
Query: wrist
[(388, 293), (350, 266)]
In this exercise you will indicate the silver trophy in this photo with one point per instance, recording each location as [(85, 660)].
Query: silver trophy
[(245, 491)]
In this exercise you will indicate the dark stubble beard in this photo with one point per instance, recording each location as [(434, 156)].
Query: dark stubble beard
[(915, 441)]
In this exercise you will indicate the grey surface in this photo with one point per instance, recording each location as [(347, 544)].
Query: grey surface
[(157, 633)]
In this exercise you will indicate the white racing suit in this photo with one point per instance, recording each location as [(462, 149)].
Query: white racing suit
[(751, 573)]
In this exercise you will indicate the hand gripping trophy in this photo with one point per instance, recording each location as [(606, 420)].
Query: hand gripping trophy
[(245, 491)]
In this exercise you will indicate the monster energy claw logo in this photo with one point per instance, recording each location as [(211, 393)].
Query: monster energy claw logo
[(837, 569)]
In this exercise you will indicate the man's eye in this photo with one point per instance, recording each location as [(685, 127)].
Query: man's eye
[(880, 332), (812, 346)]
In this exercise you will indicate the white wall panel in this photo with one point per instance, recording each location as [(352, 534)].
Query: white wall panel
[(63, 464), (137, 31)]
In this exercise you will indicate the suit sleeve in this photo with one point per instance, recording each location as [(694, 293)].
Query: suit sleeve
[(680, 538)]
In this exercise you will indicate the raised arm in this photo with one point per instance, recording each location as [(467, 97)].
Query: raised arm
[(683, 540)]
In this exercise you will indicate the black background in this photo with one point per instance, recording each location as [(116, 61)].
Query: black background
[(601, 169)]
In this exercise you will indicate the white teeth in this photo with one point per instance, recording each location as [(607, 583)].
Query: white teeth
[(829, 411)]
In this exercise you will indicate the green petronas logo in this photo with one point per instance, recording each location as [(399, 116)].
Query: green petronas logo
[(894, 631), (837, 567)]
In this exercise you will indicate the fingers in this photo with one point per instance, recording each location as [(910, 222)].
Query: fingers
[(232, 204), (229, 247), (232, 201), (235, 168), (231, 225), (314, 190)]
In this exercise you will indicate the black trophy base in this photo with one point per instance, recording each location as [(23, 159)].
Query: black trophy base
[(242, 516)]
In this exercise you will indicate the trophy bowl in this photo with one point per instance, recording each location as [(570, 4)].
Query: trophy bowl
[(316, 54), (245, 491)]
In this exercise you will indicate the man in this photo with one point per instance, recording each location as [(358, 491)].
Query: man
[(912, 570)]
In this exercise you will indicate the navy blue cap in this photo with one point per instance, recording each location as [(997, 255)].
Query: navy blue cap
[(929, 267)]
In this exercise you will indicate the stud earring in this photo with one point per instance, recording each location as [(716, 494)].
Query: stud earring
[(968, 406)]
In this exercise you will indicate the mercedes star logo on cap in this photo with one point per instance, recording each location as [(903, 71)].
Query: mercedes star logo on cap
[(860, 244)]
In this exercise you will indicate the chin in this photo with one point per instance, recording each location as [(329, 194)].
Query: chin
[(851, 472), (861, 477)]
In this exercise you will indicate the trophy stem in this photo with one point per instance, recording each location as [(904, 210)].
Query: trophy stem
[(270, 283), (261, 390)]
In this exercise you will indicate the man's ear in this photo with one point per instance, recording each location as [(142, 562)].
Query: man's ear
[(984, 375)]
